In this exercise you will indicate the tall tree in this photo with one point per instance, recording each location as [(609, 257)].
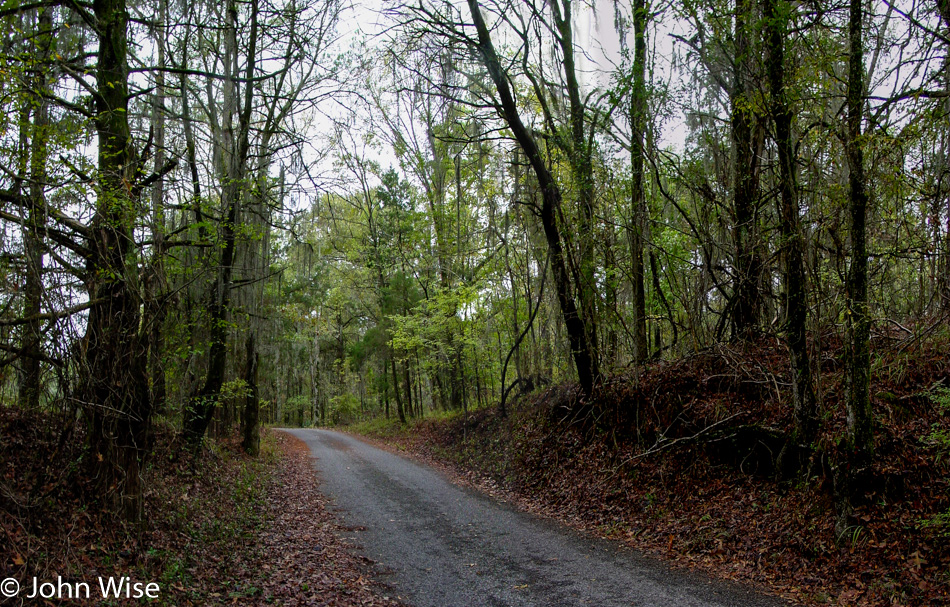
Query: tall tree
[(580, 151), (583, 349), (235, 144), (746, 304), (155, 278), (777, 14), (638, 203), (860, 430), (33, 233), (943, 7), (114, 390), (269, 77), (424, 127)]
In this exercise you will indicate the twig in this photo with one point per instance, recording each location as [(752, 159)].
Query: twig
[(916, 338), (900, 326), (660, 445)]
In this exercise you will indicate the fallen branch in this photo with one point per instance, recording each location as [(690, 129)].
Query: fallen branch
[(662, 444)]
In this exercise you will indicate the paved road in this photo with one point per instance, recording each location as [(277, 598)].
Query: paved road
[(441, 545)]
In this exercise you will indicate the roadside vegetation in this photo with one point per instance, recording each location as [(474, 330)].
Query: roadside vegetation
[(698, 477), (220, 529), (196, 512), (672, 258)]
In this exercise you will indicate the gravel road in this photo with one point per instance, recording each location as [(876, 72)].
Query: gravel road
[(441, 545)]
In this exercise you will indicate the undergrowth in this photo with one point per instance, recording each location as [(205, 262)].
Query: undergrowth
[(201, 515)]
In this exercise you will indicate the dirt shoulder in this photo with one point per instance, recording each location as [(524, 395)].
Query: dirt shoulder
[(307, 562)]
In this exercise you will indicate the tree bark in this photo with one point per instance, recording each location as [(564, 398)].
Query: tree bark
[(638, 205), (943, 190), (33, 234), (860, 430), (746, 304), (114, 391), (400, 410), (582, 174), (251, 418), (803, 394), (156, 308), (408, 381)]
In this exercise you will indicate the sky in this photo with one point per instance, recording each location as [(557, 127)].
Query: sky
[(595, 36)]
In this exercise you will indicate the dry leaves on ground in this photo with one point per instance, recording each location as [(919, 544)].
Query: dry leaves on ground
[(305, 561)]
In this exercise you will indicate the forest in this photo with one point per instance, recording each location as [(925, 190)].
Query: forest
[(662, 228)]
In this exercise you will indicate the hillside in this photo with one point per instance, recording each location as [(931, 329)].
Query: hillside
[(693, 477)]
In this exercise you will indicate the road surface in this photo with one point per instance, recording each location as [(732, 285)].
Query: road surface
[(440, 545)]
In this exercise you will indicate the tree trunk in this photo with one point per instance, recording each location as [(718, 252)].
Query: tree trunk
[(114, 391), (582, 173), (251, 419), (156, 309), (609, 347), (943, 190), (408, 382), (859, 323), (478, 377), (33, 234), (202, 403), (638, 206), (803, 394), (400, 410), (582, 348), (746, 304)]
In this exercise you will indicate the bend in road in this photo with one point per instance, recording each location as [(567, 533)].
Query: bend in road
[(441, 545)]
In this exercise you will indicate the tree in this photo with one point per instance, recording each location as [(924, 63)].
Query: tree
[(579, 148), (269, 78), (114, 390), (30, 380), (155, 281), (638, 203), (777, 15), (943, 176), (745, 303), (251, 442), (860, 420), (423, 128), (235, 141), (579, 328)]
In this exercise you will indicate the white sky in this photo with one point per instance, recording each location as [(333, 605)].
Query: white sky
[(595, 37)]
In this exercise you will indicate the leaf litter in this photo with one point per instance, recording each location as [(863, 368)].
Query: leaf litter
[(219, 529), (637, 467)]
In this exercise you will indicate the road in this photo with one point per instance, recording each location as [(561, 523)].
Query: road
[(440, 545)]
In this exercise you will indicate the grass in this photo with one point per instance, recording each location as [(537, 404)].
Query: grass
[(391, 427)]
